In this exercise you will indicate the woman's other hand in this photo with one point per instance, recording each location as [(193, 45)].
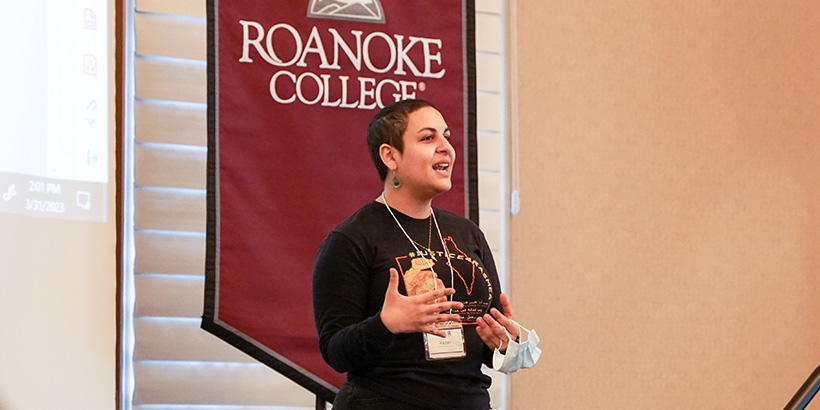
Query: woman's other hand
[(491, 326), (418, 313)]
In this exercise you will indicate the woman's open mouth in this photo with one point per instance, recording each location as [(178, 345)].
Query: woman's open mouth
[(442, 167)]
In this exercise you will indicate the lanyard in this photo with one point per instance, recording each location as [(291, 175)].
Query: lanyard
[(443, 245)]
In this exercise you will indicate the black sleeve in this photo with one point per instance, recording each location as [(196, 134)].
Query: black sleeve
[(349, 339)]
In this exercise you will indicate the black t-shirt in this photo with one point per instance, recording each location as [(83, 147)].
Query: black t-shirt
[(350, 277)]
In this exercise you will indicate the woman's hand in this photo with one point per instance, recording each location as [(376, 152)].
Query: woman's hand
[(491, 326), (418, 313)]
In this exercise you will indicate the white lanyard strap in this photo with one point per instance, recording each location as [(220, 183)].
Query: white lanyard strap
[(443, 245)]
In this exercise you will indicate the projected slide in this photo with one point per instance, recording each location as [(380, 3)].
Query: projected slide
[(54, 108)]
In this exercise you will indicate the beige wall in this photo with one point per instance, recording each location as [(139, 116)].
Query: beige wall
[(667, 245), (58, 323)]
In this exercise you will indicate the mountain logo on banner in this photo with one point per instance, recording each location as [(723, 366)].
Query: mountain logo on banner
[(368, 11)]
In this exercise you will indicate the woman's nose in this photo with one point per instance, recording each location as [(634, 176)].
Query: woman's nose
[(445, 146)]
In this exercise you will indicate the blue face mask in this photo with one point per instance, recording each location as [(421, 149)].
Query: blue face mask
[(519, 355)]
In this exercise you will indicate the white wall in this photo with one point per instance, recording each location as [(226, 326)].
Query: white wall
[(58, 291)]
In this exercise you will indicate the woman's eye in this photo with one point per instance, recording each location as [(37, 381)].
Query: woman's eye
[(447, 137)]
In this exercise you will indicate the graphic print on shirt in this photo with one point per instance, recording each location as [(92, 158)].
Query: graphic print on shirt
[(418, 278)]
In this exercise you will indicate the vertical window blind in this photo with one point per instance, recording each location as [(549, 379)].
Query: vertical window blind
[(176, 365)]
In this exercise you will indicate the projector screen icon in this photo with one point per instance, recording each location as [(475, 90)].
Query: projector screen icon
[(84, 200)]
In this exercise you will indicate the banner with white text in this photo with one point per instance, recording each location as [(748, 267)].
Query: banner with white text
[(292, 85)]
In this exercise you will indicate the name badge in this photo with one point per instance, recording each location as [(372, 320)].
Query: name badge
[(450, 346)]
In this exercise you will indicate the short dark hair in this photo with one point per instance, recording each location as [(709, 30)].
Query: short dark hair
[(388, 126)]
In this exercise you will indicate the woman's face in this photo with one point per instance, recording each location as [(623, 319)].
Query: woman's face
[(426, 164)]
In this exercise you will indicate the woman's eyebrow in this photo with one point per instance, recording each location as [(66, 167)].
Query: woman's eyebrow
[(432, 129)]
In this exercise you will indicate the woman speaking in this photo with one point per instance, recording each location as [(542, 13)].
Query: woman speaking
[(406, 296)]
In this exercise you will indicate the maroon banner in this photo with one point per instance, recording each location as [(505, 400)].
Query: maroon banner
[(292, 87)]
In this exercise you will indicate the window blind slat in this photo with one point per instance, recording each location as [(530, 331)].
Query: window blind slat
[(488, 33), (489, 113), (488, 6), (171, 123), (216, 383), (491, 227), (488, 196), (171, 166), (181, 339), (171, 79), (171, 36), (170, 209), (193, 8), (489, 144), (168, 252), (169, 295), (489, 80)]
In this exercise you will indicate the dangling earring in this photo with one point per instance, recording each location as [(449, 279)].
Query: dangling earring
[(396, 182)]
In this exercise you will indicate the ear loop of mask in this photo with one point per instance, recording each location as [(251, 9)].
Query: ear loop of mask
[(509, 338)]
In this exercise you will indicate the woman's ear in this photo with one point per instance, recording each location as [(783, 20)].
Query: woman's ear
[(389, 154)]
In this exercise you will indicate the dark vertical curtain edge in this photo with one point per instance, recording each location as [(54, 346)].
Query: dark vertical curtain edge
[(210, 235), (471, 187)]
